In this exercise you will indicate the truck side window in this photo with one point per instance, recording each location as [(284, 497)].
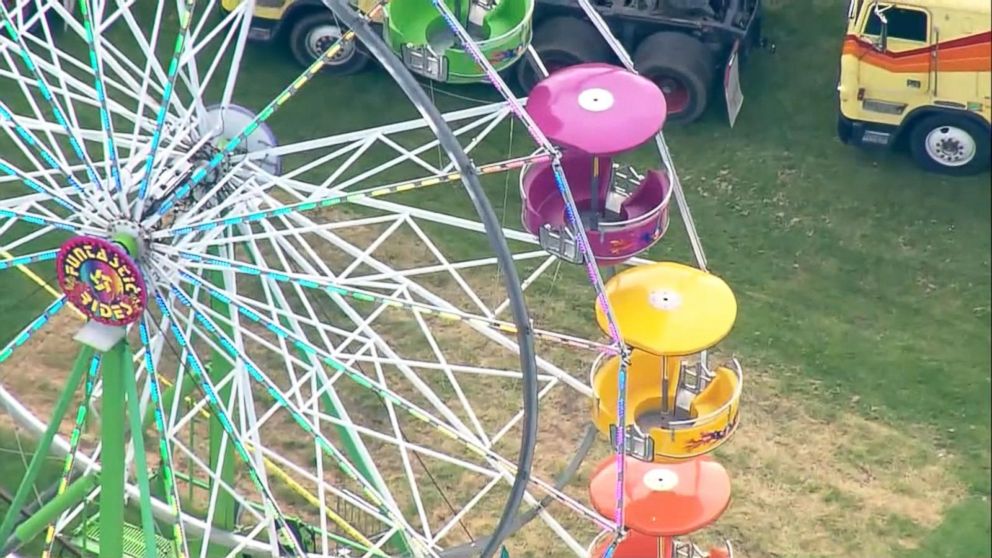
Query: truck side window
[(908, 25)]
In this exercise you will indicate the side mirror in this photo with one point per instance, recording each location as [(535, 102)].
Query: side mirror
[(883, 39), (882, 42)]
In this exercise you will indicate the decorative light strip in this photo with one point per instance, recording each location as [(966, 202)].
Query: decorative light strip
[(350, 197), (201, 173), (164, 446), (29, 259), (44, 221), (70, 458), (185, 18), (7, 116), (32, 328), (46, 92), (89, 22)]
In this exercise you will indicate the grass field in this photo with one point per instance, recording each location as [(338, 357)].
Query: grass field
[(864, 293)]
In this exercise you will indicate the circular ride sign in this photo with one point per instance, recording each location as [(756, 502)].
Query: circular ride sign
[(100, 278)]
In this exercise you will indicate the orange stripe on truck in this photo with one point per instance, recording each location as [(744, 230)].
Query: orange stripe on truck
[(965, 54)]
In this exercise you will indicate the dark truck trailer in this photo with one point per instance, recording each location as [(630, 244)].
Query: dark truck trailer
[(687, 47), (682, 45)]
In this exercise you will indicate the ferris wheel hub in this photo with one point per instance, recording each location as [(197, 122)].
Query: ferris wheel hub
[(100, 278), (131, 237), (227, 122)]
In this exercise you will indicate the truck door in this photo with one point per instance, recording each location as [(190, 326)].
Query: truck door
[(960, 72), (896, 73)]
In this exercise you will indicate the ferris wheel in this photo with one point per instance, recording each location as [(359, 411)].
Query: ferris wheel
[(338, 345)]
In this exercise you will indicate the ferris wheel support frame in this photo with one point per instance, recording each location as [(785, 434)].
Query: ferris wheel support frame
[(23, 416), (120, 408), (45, 441), (113, 475)]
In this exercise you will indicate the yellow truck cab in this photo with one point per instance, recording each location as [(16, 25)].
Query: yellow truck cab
[(918, 74)]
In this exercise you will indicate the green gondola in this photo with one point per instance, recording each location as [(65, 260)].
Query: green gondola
[(416, 31)]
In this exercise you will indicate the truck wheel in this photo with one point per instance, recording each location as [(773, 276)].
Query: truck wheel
[(560, 42), (845, 129), (313, 34), (950, 144), (683, 69)]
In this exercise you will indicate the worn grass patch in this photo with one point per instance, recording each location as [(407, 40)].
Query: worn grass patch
[(817, 482)]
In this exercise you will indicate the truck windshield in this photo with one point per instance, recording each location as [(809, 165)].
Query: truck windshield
[(904, 23)]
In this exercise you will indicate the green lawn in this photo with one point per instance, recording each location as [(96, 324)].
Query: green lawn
[(864, 285)]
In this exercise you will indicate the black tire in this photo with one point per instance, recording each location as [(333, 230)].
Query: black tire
[(315, 33), (682, 67), (844, 129), (560, 42), (950, 148)]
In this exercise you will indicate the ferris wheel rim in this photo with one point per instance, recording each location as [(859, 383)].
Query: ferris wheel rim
[(506, 267), (525, 341)]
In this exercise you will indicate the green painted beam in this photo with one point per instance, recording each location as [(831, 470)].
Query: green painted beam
[(113, 411), (50, 511), (225, 509), (140, 461), (79, 369)]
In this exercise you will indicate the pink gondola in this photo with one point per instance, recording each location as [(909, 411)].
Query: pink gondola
[(631, 221), (594, 112)]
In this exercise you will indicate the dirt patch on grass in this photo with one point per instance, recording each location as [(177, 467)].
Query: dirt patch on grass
[(808, 486), (37, 371)]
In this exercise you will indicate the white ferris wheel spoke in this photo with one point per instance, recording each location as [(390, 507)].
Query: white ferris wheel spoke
[(316, 280), (273, 510), (31, 62), (75, 92), (431, 298), (256, 372), (451, 428), (22, 138), (334, 361), (235, 25)]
